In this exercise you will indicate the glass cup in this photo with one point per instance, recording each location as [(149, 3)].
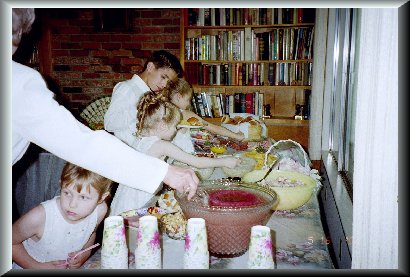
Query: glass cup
[(148, 250), (114, 250), (196, 255), (260, 248)]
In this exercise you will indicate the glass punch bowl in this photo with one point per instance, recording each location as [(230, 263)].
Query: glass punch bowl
[(230, 220)]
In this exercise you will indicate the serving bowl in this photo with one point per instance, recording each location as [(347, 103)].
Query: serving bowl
[(293, 189), (229, 225), (246, 165), (202, 173)]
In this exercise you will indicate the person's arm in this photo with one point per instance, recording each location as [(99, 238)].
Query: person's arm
[(166, 148), (213, 128), (121, 113), (83, 257), (30, 225), (38, 118)]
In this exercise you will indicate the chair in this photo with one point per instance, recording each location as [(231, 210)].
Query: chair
[(94, 112)]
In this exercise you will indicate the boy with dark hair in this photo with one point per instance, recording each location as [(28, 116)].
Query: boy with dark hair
[(121, 117)]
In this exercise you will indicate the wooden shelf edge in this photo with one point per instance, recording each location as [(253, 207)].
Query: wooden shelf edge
[(268, 121)]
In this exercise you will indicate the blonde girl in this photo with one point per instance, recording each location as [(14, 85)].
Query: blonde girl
[(50, 233), (157, 125)]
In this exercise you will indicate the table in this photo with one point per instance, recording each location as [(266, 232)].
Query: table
[(298, 239)]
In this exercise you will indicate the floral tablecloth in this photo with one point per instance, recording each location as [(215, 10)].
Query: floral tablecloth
[(298, 238)]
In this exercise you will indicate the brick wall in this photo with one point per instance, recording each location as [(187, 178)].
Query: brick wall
[(87, 63)]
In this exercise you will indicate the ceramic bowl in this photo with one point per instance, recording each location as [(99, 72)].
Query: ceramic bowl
[(293, 189)]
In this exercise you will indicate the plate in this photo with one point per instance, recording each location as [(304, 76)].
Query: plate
[(190, 126)]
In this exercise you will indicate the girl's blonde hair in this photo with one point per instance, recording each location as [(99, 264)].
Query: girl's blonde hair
[(181, 86), (153, 108), (78, 176)]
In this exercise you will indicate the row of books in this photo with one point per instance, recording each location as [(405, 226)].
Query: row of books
[(214, 104), (252, 45), (248, 16), (250, 74)]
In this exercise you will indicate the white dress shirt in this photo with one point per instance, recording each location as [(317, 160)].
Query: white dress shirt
[(38, 118), (121, 116)]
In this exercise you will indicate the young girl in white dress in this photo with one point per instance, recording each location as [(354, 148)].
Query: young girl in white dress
[(53, 232), (157, 125)]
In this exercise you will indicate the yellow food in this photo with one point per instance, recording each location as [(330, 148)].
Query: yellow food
[(194, 121), (260, 158), (218, 149), (184, 122)]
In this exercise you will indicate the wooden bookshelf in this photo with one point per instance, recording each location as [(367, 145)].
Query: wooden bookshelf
[(239, 51)]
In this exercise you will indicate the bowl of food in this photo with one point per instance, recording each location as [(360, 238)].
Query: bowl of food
[(246, 165), (202, 173), (174, 225), (231, 209), (294, 189)]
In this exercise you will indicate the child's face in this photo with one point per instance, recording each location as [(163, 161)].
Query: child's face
[(182, 102), (78, 205), (157, 79)]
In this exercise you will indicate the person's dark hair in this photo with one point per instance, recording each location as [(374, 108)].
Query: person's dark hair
[(164, 59)]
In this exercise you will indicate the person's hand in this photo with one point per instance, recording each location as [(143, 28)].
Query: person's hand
[(61, 264), (182, 179), (231, 162), (78, 260)]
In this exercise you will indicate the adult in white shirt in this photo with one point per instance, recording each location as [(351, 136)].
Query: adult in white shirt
[(38, 118)]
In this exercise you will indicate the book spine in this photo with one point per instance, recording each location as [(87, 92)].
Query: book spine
[(242, 103), (248, 103)]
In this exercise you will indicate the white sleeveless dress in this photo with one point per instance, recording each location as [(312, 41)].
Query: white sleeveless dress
[(59, 237), (127, 198)]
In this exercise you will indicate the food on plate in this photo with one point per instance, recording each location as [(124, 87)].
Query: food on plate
[(174, 225), (193, 121), (217, 149), (238, 145), (260, 158), (168, 202), (225, 119), (236, 120), (184, 122)]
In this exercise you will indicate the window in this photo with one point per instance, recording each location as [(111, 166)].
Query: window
[(343, 100)]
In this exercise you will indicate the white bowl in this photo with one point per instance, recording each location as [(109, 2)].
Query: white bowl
[(289, 197), (246, 165), (202, 173)]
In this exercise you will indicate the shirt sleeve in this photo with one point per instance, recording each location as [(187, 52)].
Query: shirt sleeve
[(40, 119), (121, 114)]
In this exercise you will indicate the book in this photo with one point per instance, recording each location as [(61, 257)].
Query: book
[(261, 104), (306, 110), (249, 103), (207, 16), (248, 44), (242, 108), (237, 103)]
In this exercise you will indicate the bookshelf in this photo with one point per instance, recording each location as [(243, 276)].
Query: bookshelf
[(253, 60)]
